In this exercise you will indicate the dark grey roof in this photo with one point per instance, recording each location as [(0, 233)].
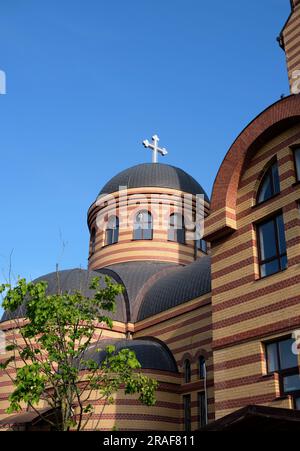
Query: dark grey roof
[(135, 276), (178, 286), (150, 353), (150, 287), (72, 280), (154, 174)]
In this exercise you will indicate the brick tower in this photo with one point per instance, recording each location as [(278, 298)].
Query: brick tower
[(289, 40)]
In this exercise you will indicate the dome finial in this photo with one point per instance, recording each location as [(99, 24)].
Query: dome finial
[(154, 147)]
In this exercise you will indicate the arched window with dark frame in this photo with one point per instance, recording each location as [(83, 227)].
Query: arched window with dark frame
[(202, 367), (272, 251), (143, 226), (176, 230), (187, 371), (93, 241), (297, 162), (269, 185), (112, 230)]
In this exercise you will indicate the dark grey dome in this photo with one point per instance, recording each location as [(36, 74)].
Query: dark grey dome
[(136, 278), (154, 174), (150, 353), (72, 280), (178, 286)]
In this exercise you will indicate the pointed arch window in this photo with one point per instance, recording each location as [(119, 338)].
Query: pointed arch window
[(202, 367), (112, 230), (297, 162), (93, 241), (176, 230), (270, 185), (187, 371), (143, 226)]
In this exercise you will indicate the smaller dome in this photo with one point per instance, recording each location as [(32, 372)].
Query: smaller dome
[(151, 354), (176, 287), (156, 175), (72, 280)]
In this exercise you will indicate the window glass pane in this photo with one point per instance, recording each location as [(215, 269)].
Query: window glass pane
[(187, 412), (109, 236), (112, 231), (176, 230), (202, 368), (281, 234), (112, 222), (291, 383), (178, 221), (272, 357), (275, 175), (115, 237), (201, 410), (93, 241), (143, 226), (181, 236), (202, 245), (269, 268), (147, 234), (297, 161), (287, 358), (270, 184), (267, 240), (137, 234), (265, 191), (187, 371), (171, 235)]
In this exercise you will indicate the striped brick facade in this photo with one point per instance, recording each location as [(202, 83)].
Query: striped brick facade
[(161, 203), (290, 42), (248, 310), (230, 326), (187, 332)]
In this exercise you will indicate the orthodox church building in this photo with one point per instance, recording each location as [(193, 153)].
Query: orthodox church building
[(213, 319)]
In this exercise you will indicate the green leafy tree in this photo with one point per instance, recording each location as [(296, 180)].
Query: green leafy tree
[(57, 333)]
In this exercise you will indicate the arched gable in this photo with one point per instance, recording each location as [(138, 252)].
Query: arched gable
[(274, 120)]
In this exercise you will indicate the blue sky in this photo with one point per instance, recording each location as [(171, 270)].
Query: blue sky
[(87, 81)]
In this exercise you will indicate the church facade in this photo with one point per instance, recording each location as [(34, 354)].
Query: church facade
[(213, 319)]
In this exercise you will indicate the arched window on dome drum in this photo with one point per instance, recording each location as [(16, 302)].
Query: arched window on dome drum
[(93, 241), (270, 185), (176, 230), (143, 226), (202, 367), (187, 371), (112, 230)]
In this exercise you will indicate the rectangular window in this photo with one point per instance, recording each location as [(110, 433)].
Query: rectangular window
[(297, 162), (272, 246), (202, 414), (281, 359), (291, 383), (187, 412), (280, 355)]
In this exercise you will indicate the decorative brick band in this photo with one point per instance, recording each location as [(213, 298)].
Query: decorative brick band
[(241, 402), (263, 331), (236, 363)]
